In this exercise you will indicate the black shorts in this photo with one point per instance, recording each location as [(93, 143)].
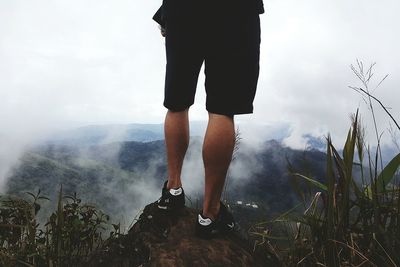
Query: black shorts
[(227, 39)]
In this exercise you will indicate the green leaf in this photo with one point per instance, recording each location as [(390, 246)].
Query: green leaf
[(387, 174), (312, 181)]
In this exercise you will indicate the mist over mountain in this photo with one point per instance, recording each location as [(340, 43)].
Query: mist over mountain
[(109, 133), (121, 177), (121, 168)]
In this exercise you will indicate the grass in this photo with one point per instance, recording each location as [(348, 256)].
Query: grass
[(68, 237), (347, 220)]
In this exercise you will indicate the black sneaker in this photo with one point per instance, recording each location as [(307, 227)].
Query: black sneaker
[(222, 225), (172, 199)]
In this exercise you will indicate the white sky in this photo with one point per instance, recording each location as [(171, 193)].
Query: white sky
[(69, 63)]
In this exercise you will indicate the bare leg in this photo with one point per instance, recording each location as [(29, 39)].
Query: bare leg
[(218, 147), (176, 130)]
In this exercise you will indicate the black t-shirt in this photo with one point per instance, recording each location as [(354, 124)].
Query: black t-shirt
[(243, 6)]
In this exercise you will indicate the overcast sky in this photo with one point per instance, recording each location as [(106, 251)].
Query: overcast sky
[(72, 63)]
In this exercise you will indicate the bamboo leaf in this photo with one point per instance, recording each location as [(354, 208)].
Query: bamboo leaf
[(387, 174), (332, 154), (312, 181), (285, 214), (384, 177)]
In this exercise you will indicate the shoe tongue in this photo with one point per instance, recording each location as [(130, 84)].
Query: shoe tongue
[(176, 192), (204, 221)]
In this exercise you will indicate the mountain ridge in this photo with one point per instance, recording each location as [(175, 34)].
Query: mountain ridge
[(122, 177)]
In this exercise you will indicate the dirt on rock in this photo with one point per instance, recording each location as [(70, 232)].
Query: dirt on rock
[(165, 239)]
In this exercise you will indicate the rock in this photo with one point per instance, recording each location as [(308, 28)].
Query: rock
[(159, 238)]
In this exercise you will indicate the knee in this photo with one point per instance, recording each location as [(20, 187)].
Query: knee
[(220, 116)]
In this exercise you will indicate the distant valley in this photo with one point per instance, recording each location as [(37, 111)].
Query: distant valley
[(121, 177)]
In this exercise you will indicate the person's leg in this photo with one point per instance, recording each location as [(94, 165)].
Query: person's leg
[(218, 148), (176, 129)]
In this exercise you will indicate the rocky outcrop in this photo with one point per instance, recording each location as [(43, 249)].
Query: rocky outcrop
[(162, 239)]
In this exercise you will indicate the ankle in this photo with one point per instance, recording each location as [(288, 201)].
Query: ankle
[(174, 184), (211, 212)]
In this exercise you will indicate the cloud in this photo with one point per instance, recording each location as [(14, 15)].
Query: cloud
[(306, 53)]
